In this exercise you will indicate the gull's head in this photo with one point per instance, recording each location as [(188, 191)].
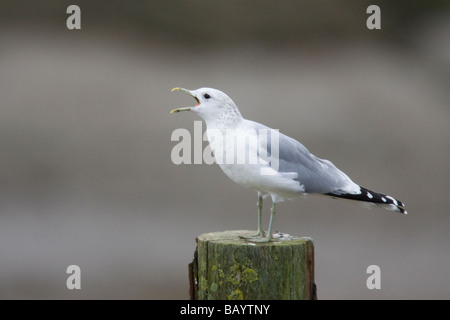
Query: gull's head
[(213, 105)]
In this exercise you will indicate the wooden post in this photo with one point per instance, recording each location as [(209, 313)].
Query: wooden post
[(228, 267)]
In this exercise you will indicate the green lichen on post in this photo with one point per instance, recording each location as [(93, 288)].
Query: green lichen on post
[(241, 273), (203, 283), (214, 287), (232, 268), (249, 275), (236, 295)]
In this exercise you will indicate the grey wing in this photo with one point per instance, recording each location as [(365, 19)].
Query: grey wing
[(318, 175), (315, 174)]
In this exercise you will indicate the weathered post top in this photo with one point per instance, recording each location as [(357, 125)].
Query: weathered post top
[(228, 266)]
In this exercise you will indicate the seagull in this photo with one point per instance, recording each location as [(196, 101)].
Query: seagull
[(282, 167)]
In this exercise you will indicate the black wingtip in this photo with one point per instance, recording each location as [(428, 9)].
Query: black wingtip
[(366, 195)]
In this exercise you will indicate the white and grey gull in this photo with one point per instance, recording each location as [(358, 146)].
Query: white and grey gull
[(297, 171)]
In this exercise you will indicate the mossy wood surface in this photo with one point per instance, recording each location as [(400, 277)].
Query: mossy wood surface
[(226, 266)]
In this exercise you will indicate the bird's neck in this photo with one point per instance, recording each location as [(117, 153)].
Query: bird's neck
[(226, 120)]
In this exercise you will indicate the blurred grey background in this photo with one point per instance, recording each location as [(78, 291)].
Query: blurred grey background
[(86, 176)]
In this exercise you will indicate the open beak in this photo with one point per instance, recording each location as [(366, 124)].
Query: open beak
[(189, 93)]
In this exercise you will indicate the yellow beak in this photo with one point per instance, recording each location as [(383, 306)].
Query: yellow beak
[(189, 93)]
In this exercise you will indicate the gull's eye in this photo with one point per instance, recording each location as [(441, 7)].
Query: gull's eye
[(206, 96)]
